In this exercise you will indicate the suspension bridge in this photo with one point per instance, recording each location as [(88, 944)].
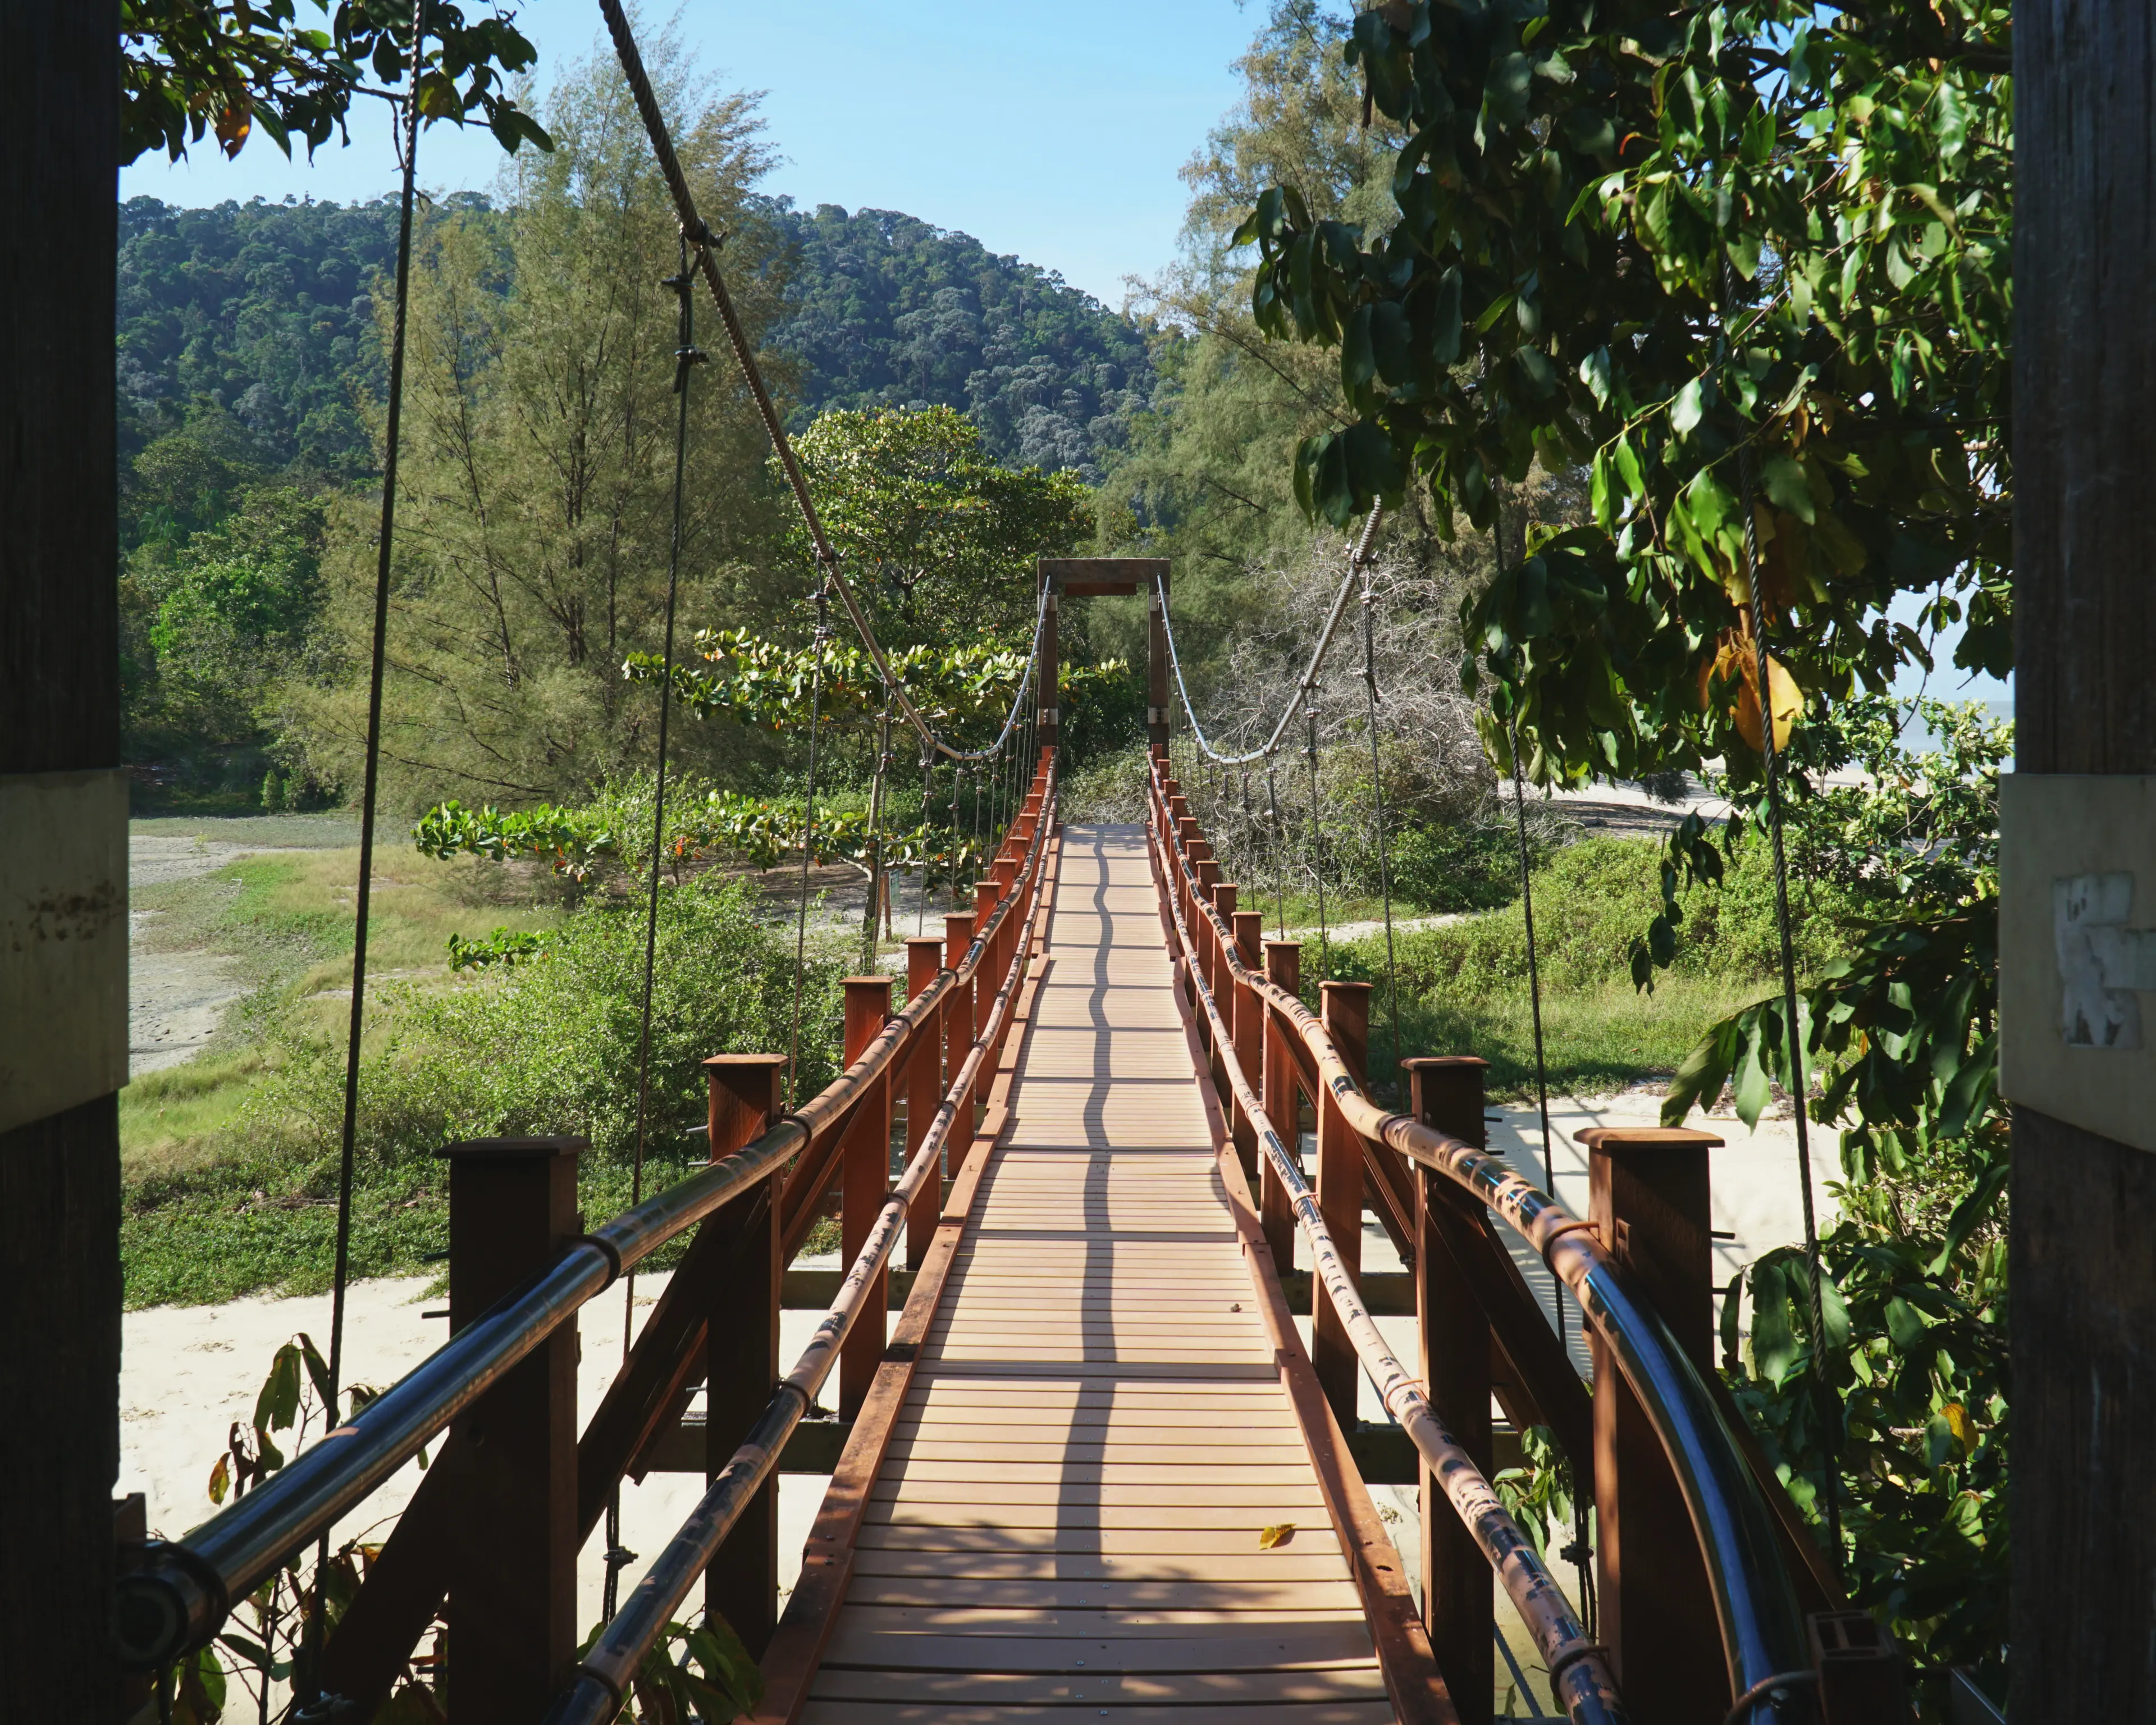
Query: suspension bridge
[(1092, 1470)]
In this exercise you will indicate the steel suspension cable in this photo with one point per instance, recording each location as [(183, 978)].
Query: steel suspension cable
[(808, 851), (707, 242), (685, 358), (875, 837), (1309, 679), (1280, 846), (1799, 1088), (921, 892), (348, 1132), (1378, 800), (1318, 844)]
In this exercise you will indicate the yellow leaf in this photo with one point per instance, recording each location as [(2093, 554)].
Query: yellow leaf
[(1278, 1534), (1958, 1423), (220, 1479)]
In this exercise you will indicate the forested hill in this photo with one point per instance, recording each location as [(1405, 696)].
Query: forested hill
[(890, 312), (264, 308)]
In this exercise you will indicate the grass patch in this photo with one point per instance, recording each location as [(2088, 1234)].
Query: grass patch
[(1463, 988), (179, 1118), (236, 1191)]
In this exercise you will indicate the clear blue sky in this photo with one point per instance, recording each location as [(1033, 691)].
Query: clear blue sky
[(1053, 132)]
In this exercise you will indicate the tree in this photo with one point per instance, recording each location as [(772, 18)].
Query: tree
[(884, 311), (537, 474), (187, 69), (938, 538), (1748, 263)]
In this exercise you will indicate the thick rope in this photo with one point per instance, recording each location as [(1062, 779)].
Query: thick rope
[(808, 852)]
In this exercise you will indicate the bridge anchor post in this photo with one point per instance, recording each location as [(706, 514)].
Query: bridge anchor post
[(1650, 1203), (512, 1561), (1346, 1013), (1446, 1092), (743, 1351)]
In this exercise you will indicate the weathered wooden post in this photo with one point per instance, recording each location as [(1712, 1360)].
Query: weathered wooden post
[(1453, 1334), (1278, 1092), (513, 1566), (1216, 979), (1156, 665), (958, 1027), (1249, 1029), (1345, 1012), (924, 1094), (2079, 809), (63, 861), (863, 1179), (741, 1351), (1650, 1205), (1048, 669)]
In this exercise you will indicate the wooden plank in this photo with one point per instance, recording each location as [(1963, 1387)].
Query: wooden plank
[(1356, 1681), (1242, 1521), (1283, 1648), (853, 1712), (1090, 1495), (1281, 1567), (1179, 1594), (1111, 1540), (1089, 1623), (1123, 1464)]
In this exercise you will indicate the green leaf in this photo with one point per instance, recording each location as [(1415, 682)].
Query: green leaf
[(1358, 364), (1686, 409), (1774, 1346), (278, 1405), (1754, 1090), (1786, 483)]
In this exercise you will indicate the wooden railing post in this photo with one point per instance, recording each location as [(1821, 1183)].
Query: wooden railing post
[(1277, 1090), (983, 991), (1454, 1341), (741, 1351), (512, 1564), (924, 1093), (1648, 1190), (1249, 1034), (863, 1179), (1216, 978), (958, 1026), (1346, 1015)]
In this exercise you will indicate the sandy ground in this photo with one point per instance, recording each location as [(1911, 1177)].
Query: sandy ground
[(174, 999), (187, 1373)]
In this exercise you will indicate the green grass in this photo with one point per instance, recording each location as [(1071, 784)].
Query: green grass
[(215, 1206)]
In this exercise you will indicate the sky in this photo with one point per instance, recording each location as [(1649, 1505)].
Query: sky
[(1053, 133)]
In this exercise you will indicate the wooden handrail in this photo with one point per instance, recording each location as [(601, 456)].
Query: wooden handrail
[(1756, 1599)]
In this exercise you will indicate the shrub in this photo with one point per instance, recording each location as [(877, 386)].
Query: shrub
[(1593, 900)]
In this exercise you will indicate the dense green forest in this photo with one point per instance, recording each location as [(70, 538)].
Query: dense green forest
[(250, 364)]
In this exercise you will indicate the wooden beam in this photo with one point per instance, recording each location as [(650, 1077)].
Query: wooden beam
[(2083, 1314), (60, 714)]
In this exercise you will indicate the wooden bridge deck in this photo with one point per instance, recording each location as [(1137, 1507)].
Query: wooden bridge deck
[(1067, 1520)]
